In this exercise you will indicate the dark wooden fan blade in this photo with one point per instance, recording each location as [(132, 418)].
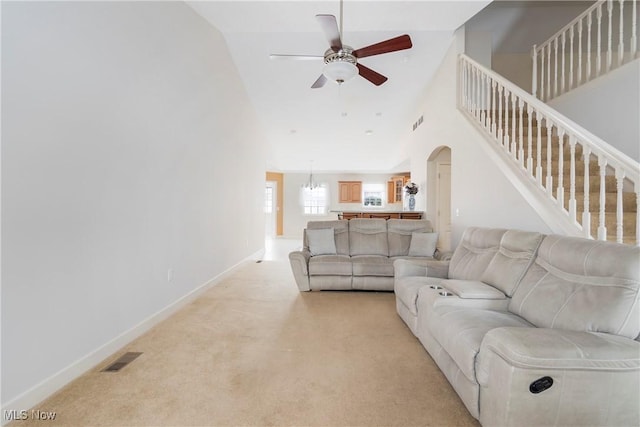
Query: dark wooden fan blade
[(278, 56), (374, 77), (391, 45), (330, 27), (320, 82)]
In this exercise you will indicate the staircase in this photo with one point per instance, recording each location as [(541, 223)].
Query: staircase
[(578, 183)]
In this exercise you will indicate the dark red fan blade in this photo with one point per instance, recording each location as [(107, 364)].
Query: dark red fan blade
[(330, 28), (391, 45), (320, 82), (374, 77)]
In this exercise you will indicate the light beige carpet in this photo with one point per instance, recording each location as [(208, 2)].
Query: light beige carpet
[(253, 351)]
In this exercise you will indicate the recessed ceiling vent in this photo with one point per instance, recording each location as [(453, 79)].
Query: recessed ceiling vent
[(123, 361), (418, 122)]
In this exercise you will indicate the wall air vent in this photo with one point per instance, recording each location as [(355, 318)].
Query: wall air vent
[(123, 361), (418, 122)]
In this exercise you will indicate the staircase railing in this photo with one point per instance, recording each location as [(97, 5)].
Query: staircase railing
[(591, 45), (528, 131)]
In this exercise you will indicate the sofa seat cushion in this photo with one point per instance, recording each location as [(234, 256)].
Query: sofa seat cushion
[(330, 265), (460, 331), (372, 265), (406, 290)]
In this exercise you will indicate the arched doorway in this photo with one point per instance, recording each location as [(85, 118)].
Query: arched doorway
[(439, 194)]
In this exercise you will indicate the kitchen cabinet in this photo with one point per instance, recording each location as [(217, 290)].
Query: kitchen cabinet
[(350, 191)]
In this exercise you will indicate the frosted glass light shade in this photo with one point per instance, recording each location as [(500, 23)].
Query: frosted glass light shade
[(340, 71)]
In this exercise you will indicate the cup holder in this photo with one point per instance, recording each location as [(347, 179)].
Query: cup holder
[(435, 287), (445, 294)]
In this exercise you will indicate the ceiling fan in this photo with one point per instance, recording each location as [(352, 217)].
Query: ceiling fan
[(341, 61)]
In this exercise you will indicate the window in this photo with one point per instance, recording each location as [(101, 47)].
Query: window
[(268, 200), (314, 201), (373, 195)]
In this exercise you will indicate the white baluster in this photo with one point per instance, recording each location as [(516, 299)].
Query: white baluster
[(514, 125), (589, 22), (488, 124), (500, 129), (534, 72), (555, 67), (560, 189), (506, 141), (634, 36), (494, 130), (572, 179), (529, 140), (549, 150), (539, 149), (520, 134), (562, 78), (579, 82), (621, 37), (610, 34), (542, 93), (586, 212), (599, 52), (602, 229), (571, 37), (619, 207), (549, 71)]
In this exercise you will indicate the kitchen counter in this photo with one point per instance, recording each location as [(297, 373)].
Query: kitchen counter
[(374, 213)]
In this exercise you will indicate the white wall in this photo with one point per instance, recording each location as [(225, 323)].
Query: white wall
[(129, 148), (609, 107), (295, 220), (481, 195)]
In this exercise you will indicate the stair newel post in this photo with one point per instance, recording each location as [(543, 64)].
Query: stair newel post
[(520, 133), (534, 72), (514, 107), (621, 35), (572, 178), (549, 181), (493, 109), (560, 189), (602, 229), (529, 140), (619, 207), (539, 149)]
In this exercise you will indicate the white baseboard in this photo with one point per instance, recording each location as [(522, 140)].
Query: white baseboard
[(46, 388)]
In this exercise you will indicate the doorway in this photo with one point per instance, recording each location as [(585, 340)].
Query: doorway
[(439, 194)]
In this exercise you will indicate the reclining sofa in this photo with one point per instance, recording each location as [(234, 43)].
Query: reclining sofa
[(359, 253), (532, 329)]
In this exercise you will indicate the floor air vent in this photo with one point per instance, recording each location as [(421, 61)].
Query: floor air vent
[(123, 361), (258, 261)]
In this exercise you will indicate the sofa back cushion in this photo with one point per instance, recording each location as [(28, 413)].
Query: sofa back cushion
[(582, 285), (340, 230), (474, 253), (368, 236), (400, 231), (516, 253)]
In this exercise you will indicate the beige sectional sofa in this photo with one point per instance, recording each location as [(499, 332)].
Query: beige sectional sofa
[(359, 253), (532, 329)]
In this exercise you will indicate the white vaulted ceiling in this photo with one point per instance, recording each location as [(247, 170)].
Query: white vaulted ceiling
[(328, 126)]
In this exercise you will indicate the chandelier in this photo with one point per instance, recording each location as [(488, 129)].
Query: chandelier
[(310, 185)]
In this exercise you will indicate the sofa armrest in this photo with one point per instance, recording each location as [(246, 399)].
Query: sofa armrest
[(299, 261), (578, 378), (405, 268)]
